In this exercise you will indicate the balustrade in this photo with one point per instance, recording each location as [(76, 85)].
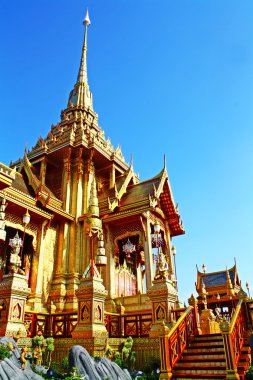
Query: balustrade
[(61, 325), (173, 341), (233, 336)]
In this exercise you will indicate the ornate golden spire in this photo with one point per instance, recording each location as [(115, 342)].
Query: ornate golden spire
[(230, 289), (81, 94), (82, 74), (93, 220)]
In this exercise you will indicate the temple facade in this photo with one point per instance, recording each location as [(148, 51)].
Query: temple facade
[(86, 207)]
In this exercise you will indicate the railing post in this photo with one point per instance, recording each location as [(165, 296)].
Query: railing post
[(231, 367), (121, 312), (166, 370), (194, 303)]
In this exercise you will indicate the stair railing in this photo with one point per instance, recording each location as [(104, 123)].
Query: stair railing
[(173, 341), (233, 334)]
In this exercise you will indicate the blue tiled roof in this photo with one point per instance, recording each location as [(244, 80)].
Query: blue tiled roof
[(217, 279)]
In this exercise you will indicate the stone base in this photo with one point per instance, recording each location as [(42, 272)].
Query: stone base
[(13, 330), (90, 331), (95, 346), (13, 295)]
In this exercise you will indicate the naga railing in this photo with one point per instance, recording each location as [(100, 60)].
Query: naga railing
[(174, 341), (237, 330), (233, 337)]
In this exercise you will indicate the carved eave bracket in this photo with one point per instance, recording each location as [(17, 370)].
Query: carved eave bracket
[(43, 194), (112, 204), (153, 201)]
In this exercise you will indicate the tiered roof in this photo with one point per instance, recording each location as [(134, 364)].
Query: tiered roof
[(222, 284), (78, 136)]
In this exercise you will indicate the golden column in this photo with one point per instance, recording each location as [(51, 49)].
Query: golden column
[(91, 293)]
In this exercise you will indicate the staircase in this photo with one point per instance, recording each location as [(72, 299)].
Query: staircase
[(205, 359)]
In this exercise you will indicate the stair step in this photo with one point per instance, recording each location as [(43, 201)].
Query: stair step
[(210, 337), (200, 350), (184, 376), (206, 357), (203, 362), (200, 370), (206, 344)]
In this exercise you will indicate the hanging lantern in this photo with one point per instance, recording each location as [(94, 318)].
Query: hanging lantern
[(101, 259), (157, 227), (128, 248)]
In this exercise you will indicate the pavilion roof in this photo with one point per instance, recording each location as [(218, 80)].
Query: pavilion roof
[(151, 195)]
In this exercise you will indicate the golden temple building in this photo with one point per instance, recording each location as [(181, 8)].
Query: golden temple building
[(74, 178), (86, 256)]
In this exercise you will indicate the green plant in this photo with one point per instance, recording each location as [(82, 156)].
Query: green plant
[(5, 351), (38, 348), (151, 370), (65, 364), (49, 350), (75, 375), (37, 341), (125, 357), (249, 374)]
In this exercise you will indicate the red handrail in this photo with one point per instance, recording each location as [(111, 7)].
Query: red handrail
[(237, 330), (174, 341)]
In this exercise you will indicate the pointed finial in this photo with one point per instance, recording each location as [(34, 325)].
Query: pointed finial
[(81, 94), (131, 159), (82, 74), (164, 158), (86, 20)]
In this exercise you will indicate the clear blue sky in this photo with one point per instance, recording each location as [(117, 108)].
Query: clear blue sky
[(172, 77)]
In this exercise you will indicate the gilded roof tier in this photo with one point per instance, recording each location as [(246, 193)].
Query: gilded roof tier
[(153, 194)]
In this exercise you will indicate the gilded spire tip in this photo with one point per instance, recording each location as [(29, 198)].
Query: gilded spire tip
[(86, 20), (81, 95)]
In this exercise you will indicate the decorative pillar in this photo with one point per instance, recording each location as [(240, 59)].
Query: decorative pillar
[(91, 293), (163, 295), (2, 220), (36, 275), (58, 285), (13, 295), (91, 299), (231, 368), (148, 252), (2, 235), (194, 303), (38, 292), (166, 370)]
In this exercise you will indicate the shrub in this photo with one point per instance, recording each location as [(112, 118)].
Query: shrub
[(5, 351)]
